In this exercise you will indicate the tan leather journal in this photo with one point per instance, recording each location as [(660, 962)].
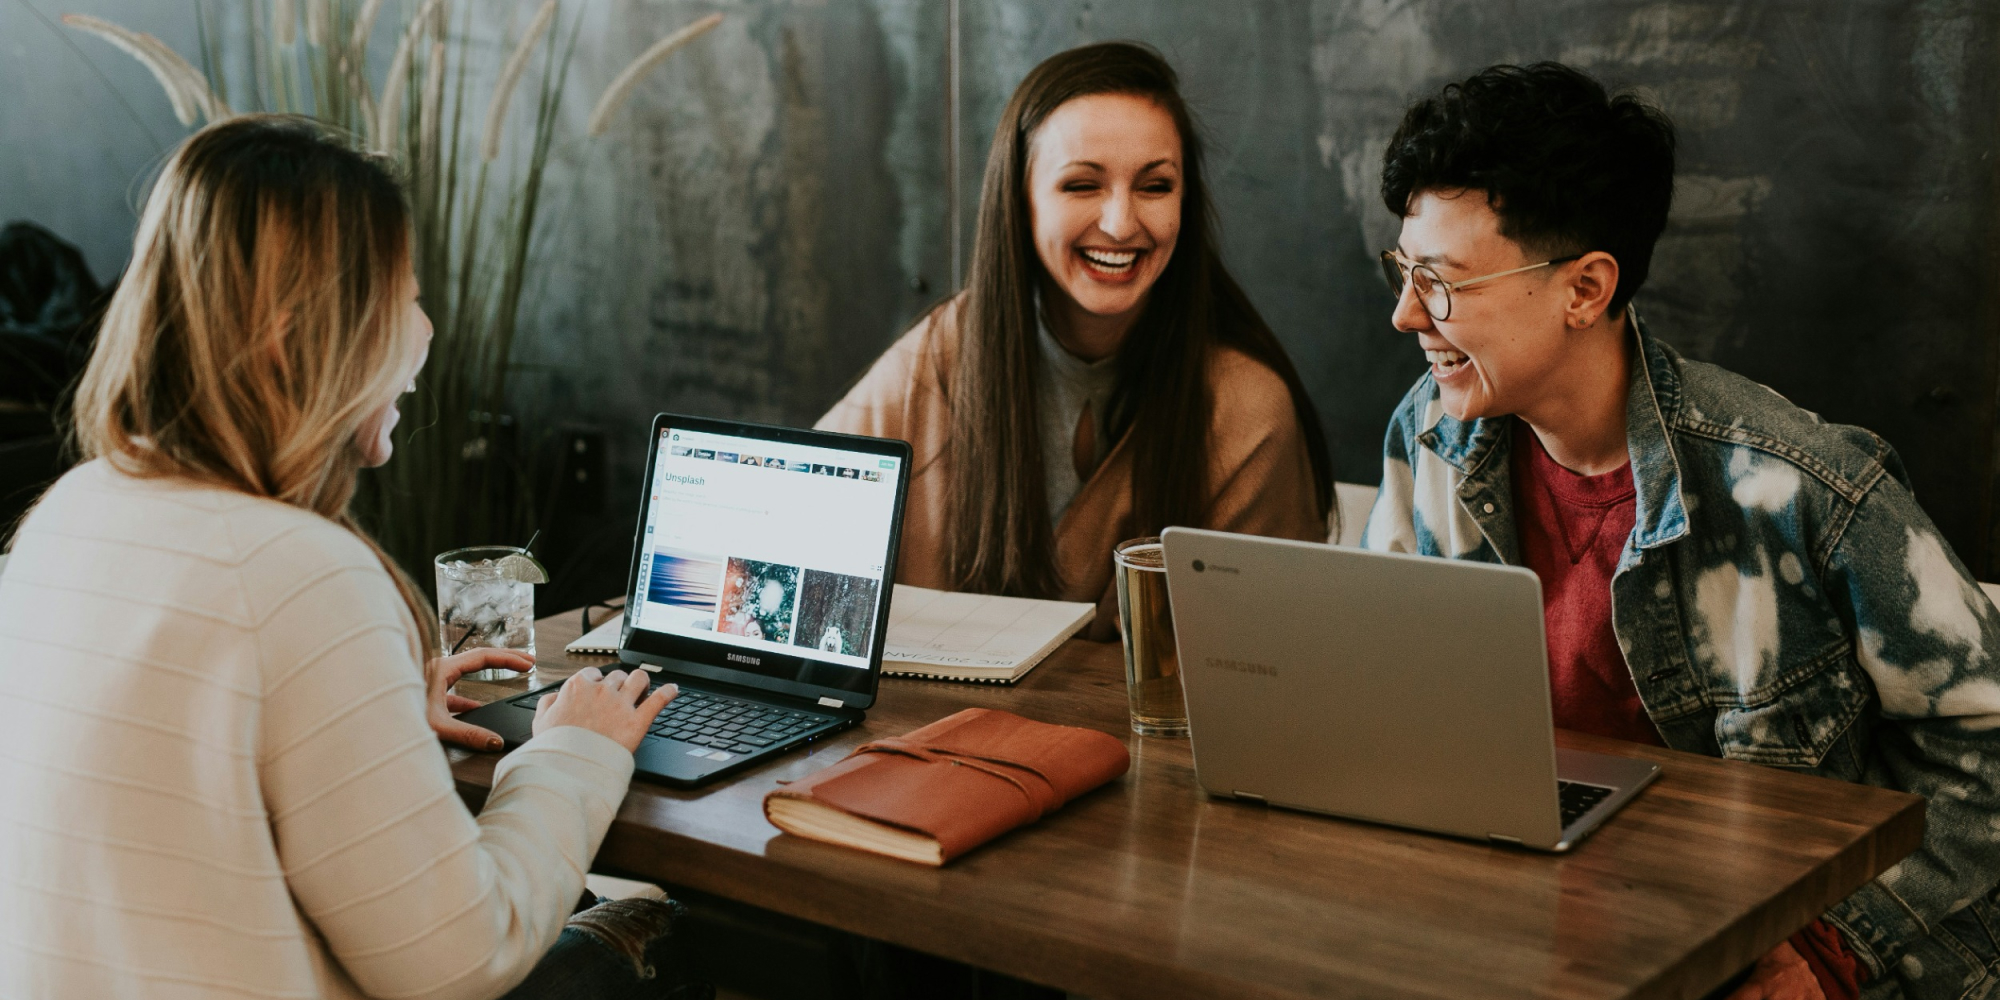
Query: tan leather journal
[(942, 790)]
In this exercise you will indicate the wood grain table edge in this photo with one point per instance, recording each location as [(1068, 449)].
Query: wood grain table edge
[(1742, 942), (803, 889), (1031, 953), (1085, 968), (799, 882), (1739, 943)]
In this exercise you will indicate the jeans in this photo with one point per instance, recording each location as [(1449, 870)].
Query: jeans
[(616, 949)]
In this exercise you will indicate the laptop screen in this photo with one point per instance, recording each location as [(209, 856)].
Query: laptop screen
[(767, 555)]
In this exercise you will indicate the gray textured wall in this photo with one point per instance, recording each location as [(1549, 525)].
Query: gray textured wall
[(767, 214), (779, 200)]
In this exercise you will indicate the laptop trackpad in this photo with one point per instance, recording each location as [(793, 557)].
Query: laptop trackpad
[(514, 723), (676, 760), (1612, 770)]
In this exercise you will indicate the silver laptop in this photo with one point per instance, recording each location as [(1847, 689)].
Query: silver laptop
[(1404, 690)]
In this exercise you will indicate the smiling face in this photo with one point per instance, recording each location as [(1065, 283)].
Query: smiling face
[(373, 439), (1503, 349), (1104, 193)]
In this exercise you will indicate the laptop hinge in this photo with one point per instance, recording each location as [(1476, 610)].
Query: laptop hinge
[(1504, 838), (830, 701), (1240, 794)]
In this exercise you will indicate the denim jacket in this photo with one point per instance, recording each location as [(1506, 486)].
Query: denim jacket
[(1782, 600)]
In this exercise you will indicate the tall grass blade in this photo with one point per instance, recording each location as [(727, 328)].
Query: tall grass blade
[(284, 21), (627, 79), (394, 84), (319, 22), (364, 29), (135, 44), (510, 77)]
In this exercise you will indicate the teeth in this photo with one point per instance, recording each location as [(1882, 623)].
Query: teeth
[(1111, 260), (1444, 359)]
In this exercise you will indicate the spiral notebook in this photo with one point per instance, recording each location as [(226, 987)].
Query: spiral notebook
[(602, 640), (975, 637), (945, 635)]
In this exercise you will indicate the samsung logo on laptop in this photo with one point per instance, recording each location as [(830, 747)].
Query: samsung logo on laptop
[(744, 658), (1243, 666)]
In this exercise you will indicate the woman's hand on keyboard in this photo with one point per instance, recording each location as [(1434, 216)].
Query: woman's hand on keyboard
[(615, 705)]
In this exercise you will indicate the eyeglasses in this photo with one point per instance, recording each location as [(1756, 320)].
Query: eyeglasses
[(1434, 292)]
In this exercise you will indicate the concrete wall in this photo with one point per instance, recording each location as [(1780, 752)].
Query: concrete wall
[(777, 202), (766, 215)]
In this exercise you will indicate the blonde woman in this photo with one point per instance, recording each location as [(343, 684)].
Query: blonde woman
[(216, 775)]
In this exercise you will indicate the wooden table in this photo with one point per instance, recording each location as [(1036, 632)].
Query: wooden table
[(1149, 887)]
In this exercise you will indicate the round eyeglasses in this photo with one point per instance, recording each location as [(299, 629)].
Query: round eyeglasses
[(1434, 293)]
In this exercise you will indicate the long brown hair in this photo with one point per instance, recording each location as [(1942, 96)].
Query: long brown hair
[(1000, 538), (260, 324)]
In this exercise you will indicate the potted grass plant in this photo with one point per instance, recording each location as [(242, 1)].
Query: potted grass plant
[(475, 199)]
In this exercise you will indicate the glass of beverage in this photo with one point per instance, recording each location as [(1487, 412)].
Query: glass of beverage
[(1146, 623), (486, 597)]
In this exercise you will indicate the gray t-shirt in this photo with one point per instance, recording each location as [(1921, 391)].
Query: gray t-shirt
[(1065, 384)]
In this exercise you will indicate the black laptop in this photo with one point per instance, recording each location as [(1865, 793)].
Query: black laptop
[(760, 585)]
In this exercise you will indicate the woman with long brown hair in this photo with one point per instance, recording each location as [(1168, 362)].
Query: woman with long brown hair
[(1101, 376), (216, 775)]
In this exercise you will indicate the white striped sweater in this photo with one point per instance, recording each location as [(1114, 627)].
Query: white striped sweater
[(216, 777)]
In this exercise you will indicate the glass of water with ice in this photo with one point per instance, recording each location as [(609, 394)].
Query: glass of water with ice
[(486, 597)]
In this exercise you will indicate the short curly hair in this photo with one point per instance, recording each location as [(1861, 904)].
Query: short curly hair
[(1569, 168)]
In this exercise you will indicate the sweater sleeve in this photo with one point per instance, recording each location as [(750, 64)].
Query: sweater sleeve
[(1261, 476), (411, 894), (878, 405)]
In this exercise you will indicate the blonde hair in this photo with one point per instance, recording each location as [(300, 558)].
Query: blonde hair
[(260, 323)]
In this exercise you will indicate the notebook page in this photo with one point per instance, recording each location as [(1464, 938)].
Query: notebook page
[(604, 639), (948, 629)]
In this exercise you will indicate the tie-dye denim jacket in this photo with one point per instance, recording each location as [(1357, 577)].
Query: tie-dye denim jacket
[(1781, 600)]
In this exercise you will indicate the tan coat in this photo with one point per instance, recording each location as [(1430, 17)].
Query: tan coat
[(1259, 469)]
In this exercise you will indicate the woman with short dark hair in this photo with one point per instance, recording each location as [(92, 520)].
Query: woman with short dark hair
[(1101, 376)]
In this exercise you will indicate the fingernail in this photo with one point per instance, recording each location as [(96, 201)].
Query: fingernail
[(494, 744)]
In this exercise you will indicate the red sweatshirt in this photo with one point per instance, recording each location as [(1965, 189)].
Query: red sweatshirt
[(1572, 529)]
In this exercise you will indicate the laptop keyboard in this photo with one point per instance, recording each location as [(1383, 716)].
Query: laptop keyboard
[(725, 724), (732, 725), (1578, 799)]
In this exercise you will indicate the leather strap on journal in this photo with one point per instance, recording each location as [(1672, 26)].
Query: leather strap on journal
[(967, 778), (1035, 787)]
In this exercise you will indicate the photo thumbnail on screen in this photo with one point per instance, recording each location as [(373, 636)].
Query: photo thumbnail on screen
[(758, 600), (837, 613), (687, 585)]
